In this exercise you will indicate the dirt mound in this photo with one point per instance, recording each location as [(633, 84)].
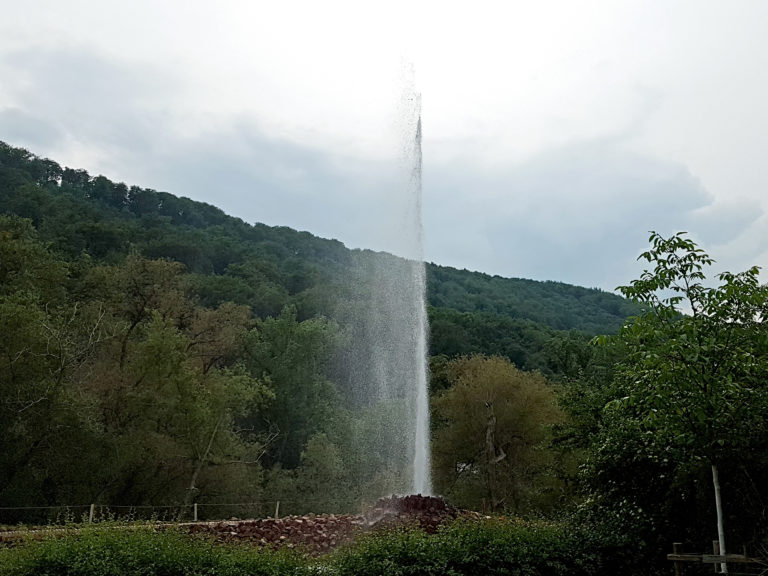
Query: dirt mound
[(315, 534), (322, 533), (428, 512)]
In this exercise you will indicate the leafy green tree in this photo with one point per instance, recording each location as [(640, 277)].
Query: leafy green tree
[(77, 180), (136, 290), (320, 484), (491, 429), (293, 358), (27, 265), (46, 343), (126, 359), (693, 384)]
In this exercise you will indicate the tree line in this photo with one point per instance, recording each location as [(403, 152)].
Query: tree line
[(155, 350), (198, 358)]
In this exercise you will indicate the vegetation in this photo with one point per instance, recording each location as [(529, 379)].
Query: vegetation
[(492, 426), (127, 395), (268, 268), (155, 351), (699, 376), (553, 304), (491, 546), (684, 408), (125, 550)]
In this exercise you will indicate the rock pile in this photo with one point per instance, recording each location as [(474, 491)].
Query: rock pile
[(427, 512), (316, 534), (322, 533), (312, 533)]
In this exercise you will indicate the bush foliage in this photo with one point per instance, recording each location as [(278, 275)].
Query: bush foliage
[(489, 546), (125, 550)]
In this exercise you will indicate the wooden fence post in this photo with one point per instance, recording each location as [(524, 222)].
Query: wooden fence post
[(194, 511), (719, 568), (677, 548), (90, 513)]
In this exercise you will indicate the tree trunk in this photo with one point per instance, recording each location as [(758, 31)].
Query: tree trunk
[(490, 453), (198, 467), (493, 457), (719, 507)]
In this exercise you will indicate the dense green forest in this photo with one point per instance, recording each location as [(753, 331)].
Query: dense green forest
[(268, 267), (202, 359), (156, 351)]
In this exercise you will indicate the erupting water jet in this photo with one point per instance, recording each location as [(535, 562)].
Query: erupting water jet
[(392, 373)]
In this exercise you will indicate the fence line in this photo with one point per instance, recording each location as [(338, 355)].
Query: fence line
[(180, 505), (66, 513)]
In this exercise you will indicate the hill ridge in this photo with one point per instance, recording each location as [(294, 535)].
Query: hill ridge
[(79, 213)]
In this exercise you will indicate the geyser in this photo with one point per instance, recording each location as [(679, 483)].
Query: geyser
[(391, 369), (422, 481)]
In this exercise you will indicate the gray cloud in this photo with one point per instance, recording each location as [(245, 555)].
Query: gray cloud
[(121, 112), (17, 125), (259, 178), (580, 213), (84, 97)]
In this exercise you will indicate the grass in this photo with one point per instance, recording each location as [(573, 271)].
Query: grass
[(488, 547), (115, 549)]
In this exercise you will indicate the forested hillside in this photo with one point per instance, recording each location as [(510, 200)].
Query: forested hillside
[(157, 351), (268, 267)]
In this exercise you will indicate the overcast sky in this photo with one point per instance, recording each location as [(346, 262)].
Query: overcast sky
[(556, 134)]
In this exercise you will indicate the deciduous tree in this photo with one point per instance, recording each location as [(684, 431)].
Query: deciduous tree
[(491, 426), (695, 374)]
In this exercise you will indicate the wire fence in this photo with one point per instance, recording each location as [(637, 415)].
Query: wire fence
[(695, 564), (196, 512)]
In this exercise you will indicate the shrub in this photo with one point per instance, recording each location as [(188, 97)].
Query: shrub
[(124, 550), (488, 547)]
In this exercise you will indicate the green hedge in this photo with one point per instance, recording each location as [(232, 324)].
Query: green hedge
[(141, 551), (488, 547), (483, 547)]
